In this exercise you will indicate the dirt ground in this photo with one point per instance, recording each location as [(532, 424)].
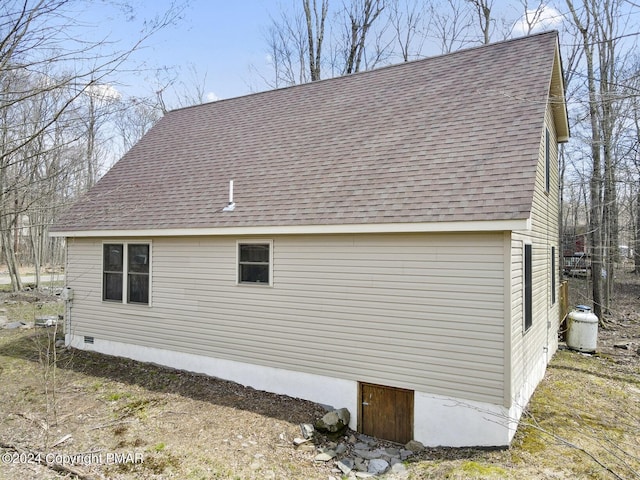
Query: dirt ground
[(620, 338), (102, 417)]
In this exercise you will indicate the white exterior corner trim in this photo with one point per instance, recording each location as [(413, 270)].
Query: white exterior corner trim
[(432, 227)]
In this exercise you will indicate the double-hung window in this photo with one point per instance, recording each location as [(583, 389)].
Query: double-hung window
[(254, 262), (126, 268)]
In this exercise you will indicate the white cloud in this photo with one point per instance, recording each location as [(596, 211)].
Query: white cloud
[(103, 92), (545, 18), (212, 97)]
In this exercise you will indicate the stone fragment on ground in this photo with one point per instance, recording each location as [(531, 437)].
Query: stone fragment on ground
[(334, 421), (355, 455), (378, 466), (325, 456), (345, 465), (414, 446), (13, 325), (307, 430)]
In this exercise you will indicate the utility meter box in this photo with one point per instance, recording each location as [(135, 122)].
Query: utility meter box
[(67, 293)]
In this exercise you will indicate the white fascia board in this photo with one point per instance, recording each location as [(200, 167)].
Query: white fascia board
[(432, 227)]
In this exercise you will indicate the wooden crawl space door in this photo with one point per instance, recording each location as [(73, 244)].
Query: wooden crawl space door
[(385, 412)]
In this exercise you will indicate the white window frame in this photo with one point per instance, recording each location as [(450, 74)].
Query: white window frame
[(254, 241), (125, 271)]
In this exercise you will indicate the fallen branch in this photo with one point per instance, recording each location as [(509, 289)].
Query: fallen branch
[(41, 423), (62, 440)]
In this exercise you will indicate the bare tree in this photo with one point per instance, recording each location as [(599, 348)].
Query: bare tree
[(450, 24), (532, 16), (482, 9), (298, 39), (361, 15), (287, 42), (597, 24), (45, 75), (407, 17), (315, 34)]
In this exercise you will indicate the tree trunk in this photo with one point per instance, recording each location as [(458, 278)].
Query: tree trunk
[(636, 252)]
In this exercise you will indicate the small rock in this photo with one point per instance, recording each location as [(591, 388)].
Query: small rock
[(341, 448), (378, 466), (345, 465), (392, 452), (624, 346), (404, 454), (360, 464), (369, 454), (325, 456), (414, 446), (352, 439), (307, 430), (299, 441), (12, 325), (365, 438), (334, 421), (306, 447), (364, 475)]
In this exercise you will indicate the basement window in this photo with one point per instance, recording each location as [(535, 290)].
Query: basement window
[(126, 272), (254, 262)]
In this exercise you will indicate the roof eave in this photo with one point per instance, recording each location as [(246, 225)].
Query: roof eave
[(428, 227), (558, 100)]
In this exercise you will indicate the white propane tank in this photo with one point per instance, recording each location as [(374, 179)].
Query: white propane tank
[(582, 329)]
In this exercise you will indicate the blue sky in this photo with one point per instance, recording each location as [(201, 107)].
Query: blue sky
[(222, 39)]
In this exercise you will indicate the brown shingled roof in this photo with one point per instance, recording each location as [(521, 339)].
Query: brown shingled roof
[(448, 138)]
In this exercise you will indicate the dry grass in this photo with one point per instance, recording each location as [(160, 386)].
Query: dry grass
[(583, 421)]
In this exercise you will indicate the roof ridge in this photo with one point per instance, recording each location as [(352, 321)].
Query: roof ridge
[(369, 72)]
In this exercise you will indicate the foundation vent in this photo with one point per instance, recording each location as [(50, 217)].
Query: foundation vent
[(88, 340)]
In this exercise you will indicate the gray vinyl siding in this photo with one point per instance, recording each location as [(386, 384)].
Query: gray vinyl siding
[(420, 311), (541, 339)]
